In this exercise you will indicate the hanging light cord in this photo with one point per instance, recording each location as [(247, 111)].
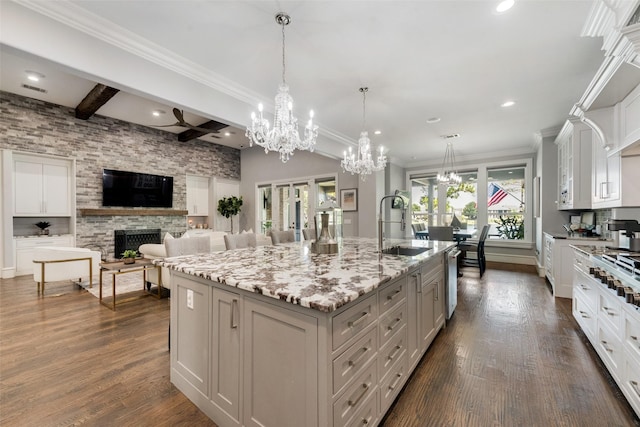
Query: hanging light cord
[(283, 23)]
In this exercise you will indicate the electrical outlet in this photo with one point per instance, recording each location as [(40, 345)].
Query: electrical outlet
[(190, 299)]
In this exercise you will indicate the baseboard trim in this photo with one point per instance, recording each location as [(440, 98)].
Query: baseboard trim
[(8, 273), (512, 259)]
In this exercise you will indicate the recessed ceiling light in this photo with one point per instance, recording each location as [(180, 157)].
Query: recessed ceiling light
[(508, 104), (377, 132), (453, 135), (505, 5), (34, 76), (433, 120), (227, 134), (158, 113)]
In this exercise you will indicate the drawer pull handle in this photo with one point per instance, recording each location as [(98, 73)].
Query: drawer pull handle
[(395, 352), (365, 388), (419, 284), (395, 383), (607, 310), (359, 320), (397, 321), (355, 362), (392, 296), (634, 338), (366, 421), (605, 345), (634, 384), (584, 314), (234, 306)]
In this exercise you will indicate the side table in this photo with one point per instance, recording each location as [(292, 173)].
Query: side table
[(116, 268)]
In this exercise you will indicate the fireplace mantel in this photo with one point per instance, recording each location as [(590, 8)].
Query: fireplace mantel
[(130, 212)]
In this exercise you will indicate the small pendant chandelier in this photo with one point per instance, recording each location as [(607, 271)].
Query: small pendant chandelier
[(363, 164), (448, 174), (283, 137)]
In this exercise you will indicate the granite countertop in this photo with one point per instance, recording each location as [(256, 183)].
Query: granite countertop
[(291, 273), (598, 250), (577, 236)]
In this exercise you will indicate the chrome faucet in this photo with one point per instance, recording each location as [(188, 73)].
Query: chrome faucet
[(381, 222)]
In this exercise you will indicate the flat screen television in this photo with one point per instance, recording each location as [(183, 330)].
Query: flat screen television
[(131, 189)]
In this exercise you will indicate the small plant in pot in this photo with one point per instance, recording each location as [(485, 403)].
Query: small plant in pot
[(229, 207), (129, 256), (43, 226)]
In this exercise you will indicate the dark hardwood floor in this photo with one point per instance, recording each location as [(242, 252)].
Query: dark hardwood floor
[(510, 356)]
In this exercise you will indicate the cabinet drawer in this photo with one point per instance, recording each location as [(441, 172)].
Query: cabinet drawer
[(392, 384), (354, 359), (588, 288), (392, 321), (368, 414), (610, 311), (353, 320), (609, 348), (391, 295), (35, 242), (631, 381), (632, 334), (355, 395), (584, 314), (391, 352)]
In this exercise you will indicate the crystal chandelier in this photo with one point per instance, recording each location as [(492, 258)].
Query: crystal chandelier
[(283, 137), (449, 175), (363, 165)]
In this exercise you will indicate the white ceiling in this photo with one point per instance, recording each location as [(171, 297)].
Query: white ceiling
[(456, 60)]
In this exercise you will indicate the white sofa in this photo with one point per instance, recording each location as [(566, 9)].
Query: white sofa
[(158, 250), (53, 264)]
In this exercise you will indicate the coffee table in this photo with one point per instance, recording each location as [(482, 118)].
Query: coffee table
[(115, 268)]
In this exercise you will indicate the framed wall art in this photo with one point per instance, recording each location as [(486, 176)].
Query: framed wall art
[(349, 199)]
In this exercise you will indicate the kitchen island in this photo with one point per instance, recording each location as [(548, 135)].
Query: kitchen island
[(279, 336)]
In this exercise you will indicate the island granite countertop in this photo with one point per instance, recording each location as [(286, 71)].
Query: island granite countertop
[(291, 272)]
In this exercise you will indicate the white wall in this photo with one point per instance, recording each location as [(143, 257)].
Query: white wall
[(258, 167)]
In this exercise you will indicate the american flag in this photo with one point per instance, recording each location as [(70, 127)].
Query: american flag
[(496, 194)]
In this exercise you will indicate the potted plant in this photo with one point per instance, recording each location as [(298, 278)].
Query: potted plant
[(129, 256), (43, 226), (229, 207)]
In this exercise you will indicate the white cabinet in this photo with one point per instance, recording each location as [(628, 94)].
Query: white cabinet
[(225, 362), (629, 119), (574, 166), (42, 186), (611, 325), (25, 246), (197, 195), (425, 308), (559, 260)]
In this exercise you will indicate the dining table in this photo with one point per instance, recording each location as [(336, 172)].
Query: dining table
[(459, 234)]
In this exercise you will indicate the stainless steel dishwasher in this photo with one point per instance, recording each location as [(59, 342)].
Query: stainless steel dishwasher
[(451, 280)]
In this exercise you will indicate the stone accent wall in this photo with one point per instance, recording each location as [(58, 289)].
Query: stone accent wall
[(39, 127)]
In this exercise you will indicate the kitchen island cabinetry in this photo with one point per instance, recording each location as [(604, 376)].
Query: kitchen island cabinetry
[(559, 259), (611, 324), (246, 357)]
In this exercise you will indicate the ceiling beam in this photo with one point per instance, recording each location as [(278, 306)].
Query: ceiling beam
[(190, 134), (95, 99)]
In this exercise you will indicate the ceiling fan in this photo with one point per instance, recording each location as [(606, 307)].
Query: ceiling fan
[(210, 127)]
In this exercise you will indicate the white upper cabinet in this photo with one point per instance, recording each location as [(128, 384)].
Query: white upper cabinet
[(574, 166), (42, 186), (198, 195), (629, 119)]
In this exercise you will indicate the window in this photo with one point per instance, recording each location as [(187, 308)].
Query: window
[(495, 194), (265, 218), (506, 202), (459, 200)]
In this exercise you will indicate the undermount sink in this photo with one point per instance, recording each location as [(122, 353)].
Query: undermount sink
[(405, 250)]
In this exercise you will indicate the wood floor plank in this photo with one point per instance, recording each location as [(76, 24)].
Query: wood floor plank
[(511, 356)]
